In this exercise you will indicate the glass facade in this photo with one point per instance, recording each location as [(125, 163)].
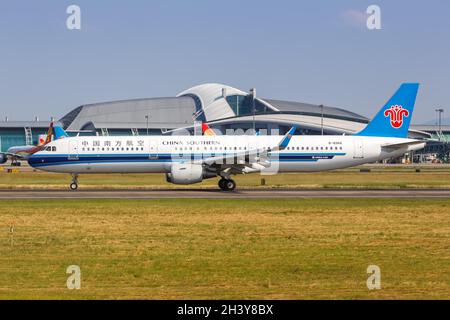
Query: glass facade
[(243, 106)]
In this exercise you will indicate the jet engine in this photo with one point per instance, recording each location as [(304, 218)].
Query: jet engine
[(187, 173), (3, 158)]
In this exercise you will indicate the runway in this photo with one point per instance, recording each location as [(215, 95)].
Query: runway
[(217, 194)]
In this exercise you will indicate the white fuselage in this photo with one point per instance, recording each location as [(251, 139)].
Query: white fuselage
[(146, 154)]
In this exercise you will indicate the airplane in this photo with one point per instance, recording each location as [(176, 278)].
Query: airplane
[(191, 159), (17, 153)]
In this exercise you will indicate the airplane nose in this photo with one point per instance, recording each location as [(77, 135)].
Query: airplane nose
[(34, 159), (30, 161)]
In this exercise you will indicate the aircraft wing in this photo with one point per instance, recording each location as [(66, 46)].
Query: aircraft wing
[(251, 160), (5, 156), (14, 155), (396, 146), (245, 162)]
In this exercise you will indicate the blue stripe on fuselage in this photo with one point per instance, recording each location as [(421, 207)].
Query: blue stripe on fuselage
[(63, 159)]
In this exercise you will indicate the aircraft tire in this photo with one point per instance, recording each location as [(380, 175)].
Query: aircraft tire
[(222, 184), (229, 185)]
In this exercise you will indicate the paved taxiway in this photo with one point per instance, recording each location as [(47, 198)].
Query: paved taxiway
[(217, 194)]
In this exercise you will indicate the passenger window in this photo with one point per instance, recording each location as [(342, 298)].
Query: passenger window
[(53, 149)]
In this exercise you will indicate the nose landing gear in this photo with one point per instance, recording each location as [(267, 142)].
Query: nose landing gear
[(74, 184), (227, 184)]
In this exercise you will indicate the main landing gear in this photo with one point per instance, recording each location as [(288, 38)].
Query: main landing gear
[(74, 184), (15, 163), (227, 184)]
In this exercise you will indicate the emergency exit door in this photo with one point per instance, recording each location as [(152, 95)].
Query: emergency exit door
[(153, 149)]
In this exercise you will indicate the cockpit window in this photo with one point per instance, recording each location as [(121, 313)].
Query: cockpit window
[(50, 149)]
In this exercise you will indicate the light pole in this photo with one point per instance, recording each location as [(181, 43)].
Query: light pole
[(146, 117), (439, 111), (253, 95)]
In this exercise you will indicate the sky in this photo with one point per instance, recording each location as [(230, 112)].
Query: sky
[(318, 52)]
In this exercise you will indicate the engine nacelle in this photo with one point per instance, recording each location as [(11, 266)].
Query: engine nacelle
[(185, 173), (3, 158)]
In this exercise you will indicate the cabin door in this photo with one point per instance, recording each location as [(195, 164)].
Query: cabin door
[(358, 149), (73, 150)]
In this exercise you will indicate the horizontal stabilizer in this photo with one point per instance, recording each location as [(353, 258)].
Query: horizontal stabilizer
[(207, 131), (396, 146)]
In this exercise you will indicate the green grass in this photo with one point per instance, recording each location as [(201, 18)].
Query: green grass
[(242, 249), (436, 178)]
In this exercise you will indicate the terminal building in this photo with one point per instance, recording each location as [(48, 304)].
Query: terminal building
[(223, 107)]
